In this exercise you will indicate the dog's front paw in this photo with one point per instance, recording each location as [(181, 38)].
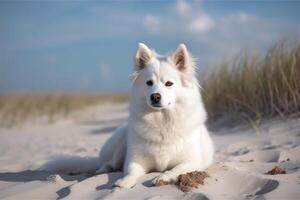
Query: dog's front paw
[(126, 182), (164, 179)]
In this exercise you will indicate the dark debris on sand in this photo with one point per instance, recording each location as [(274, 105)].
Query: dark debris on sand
[(276, 170), (186, 182)]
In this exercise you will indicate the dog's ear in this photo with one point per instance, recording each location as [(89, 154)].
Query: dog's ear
[(143, 56), (182, 58)]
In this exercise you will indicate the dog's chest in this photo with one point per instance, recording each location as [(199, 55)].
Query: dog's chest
[(162, 143), (164, 155)]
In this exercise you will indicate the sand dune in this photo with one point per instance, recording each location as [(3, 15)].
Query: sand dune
[(35, 160)]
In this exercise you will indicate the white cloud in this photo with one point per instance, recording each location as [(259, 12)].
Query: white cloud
[(239, 17), (202, 23), (192, 16), (151, 24), (105, 72), (182, 7), (185, 17), (244, 17)]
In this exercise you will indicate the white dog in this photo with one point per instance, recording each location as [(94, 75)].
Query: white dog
[(166, 129)]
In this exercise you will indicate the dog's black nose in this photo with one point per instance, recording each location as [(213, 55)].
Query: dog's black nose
[(155, 98)]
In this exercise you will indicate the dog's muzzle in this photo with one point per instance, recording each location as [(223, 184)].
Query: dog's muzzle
[(155, 99)]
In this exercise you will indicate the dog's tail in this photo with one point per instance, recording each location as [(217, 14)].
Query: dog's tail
[(71, 164)]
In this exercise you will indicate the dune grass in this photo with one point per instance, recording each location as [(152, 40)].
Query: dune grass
[(17, 108), (255, 87)]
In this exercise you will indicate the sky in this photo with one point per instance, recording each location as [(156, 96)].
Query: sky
[(77, 46)]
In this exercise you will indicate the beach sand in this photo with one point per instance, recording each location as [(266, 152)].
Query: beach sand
[(244, 155)]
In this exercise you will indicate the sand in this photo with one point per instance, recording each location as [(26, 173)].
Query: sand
[(35, 159)]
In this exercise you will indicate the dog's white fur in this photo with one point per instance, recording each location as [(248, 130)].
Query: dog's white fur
[(171, 138)]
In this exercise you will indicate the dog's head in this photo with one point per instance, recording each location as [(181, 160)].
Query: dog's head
[(160, 80)]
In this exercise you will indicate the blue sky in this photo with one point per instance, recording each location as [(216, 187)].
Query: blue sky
[(89, 45)]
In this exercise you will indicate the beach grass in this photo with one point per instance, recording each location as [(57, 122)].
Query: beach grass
[(255, 87), (17, 108)]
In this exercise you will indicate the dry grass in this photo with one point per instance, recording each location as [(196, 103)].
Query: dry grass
[(16, 108), (255, 87)]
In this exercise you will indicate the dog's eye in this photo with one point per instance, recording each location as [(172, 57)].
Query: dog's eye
[(149, 83), (168, 83)]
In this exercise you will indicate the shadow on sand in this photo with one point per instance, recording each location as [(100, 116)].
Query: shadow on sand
[(112, 178), (104, 130), (67, 167), (104, 121), (40, 175), (51, 170)]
